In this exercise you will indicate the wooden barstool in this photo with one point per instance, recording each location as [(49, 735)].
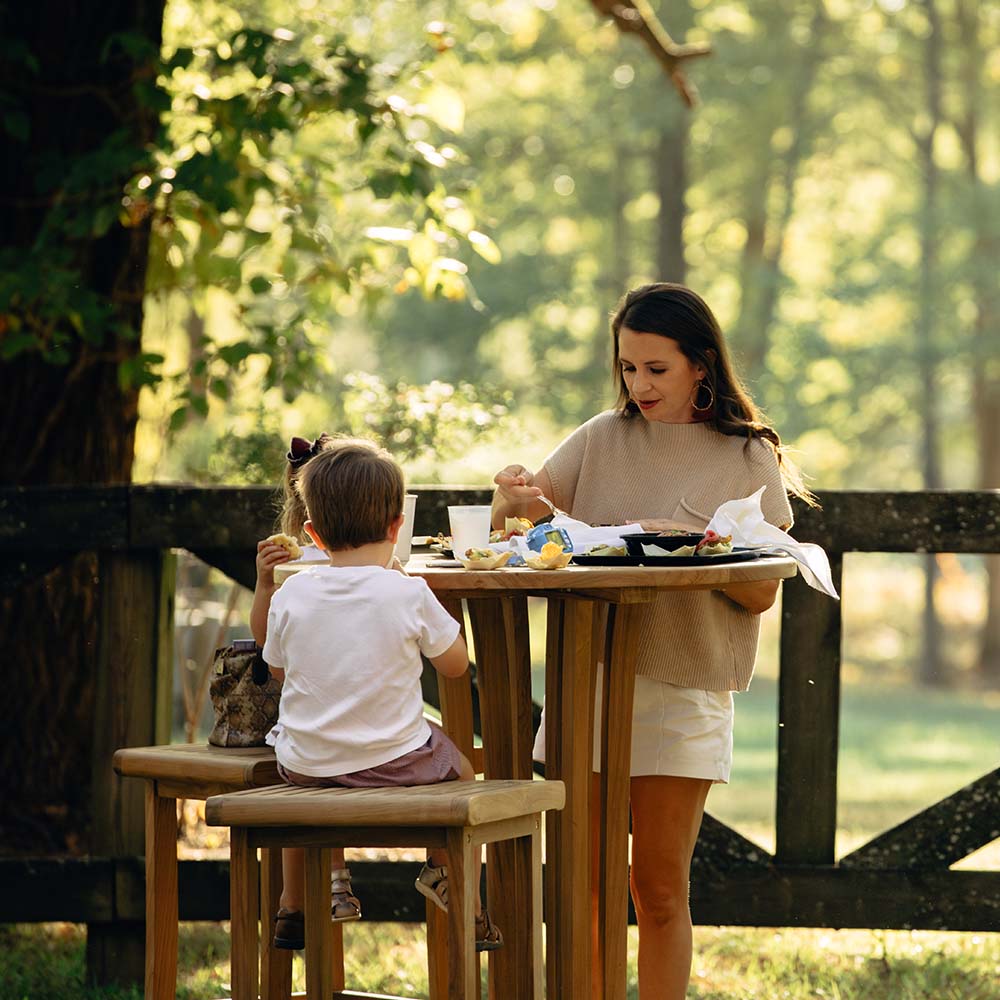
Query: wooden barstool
[(458, 816), (195, 771)]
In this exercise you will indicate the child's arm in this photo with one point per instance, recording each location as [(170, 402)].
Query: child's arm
[(269, 555), (454, 661)]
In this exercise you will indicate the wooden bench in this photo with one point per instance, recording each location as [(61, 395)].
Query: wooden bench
[(458, 816), (194, 771)]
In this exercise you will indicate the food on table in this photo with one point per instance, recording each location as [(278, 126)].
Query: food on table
[(714, 544), (606, 550), (484, 558), (511, 526), (288, 543), (551, 556), (439, 543)]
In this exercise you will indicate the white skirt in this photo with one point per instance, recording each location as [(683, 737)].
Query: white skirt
[(678, 731)]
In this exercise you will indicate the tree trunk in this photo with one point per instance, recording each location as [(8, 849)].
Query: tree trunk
[(71, 423), (986, 327), (671, 186), (670, 171), (932, 668), (761, 266)]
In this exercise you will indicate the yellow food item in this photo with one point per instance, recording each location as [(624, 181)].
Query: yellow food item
[(286, 542), (552, 556)]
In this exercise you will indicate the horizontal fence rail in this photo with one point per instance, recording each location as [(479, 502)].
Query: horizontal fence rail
[(901, 878)]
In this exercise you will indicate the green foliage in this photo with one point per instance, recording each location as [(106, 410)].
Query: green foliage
[(412, 420)]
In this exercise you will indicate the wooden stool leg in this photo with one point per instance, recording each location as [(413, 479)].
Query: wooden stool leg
[(161, 895), (275, 963), (244, 907), (463, 980), (319, 940), (437, 952), (534, 850), (337, 974)]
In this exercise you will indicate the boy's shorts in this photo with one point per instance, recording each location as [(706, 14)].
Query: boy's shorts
[(436, 761)]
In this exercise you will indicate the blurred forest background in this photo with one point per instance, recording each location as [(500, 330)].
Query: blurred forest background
[(446, 285)]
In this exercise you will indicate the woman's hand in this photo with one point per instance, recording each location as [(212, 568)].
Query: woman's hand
[(269, 555), (516, 484)]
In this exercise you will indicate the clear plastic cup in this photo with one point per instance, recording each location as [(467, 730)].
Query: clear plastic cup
[(405, 537), (470, 527)]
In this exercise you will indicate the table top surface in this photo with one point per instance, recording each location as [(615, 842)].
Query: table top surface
[(583, 578)]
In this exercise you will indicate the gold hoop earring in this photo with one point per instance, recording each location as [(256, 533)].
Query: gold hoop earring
[(698, 386)]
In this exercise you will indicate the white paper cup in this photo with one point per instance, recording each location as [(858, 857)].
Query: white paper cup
[(405, 536), (470, 527)]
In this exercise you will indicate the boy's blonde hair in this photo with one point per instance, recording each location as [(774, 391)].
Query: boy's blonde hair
[(353, 491)]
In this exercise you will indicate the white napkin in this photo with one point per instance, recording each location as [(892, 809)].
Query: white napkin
[(744, 521)]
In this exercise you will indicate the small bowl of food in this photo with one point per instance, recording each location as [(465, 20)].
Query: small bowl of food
[(665, 541), (484, 558)]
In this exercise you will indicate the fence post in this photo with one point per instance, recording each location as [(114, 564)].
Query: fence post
[(134, 665), (808, 723)]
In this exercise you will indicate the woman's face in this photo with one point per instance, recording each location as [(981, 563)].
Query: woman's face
[(659, 378)]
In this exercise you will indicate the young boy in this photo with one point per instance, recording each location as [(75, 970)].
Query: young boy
[(347, 637)]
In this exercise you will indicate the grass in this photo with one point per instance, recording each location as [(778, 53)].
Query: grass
[(45, 962)]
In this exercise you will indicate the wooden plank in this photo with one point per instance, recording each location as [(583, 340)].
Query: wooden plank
[(808, 723), (163, 517), (721, 849), (452, 803), (194, 764), (619, 658), (319, 944), (128, 673), (770, 896), (837, 897), (503, 662), (244, 910), (275, 963), (569, 665), (939, 835), (55, 518), (463, 970), (918, 521), (161, 895)]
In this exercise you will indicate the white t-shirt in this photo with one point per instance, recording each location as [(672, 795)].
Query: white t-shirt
[(349, 640)]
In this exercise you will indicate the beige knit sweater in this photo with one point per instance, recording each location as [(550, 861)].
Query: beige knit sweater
[(616, 469)]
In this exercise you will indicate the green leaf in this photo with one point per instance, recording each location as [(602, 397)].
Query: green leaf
[(219, 387), (259, 284), (178, 419)]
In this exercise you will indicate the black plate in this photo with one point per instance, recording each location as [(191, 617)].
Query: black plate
[(736, 556), (635, 541)]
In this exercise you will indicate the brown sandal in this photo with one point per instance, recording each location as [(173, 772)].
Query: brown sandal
[(488, 936), (344, 906)]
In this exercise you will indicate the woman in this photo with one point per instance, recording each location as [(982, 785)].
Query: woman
[(683, 438)]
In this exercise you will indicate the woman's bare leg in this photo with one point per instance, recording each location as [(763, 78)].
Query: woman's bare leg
[(666, 817)]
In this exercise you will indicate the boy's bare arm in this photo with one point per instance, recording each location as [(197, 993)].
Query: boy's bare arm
[(454, 661)]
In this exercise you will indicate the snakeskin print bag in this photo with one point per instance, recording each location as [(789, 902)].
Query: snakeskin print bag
[(244, 695)]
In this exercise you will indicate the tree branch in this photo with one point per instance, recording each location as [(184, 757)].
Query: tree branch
[(637, 17)]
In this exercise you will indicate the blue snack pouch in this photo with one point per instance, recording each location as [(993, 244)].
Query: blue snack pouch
[(542, 533)]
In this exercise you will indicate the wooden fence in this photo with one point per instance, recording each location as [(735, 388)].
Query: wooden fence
[(901, 878)]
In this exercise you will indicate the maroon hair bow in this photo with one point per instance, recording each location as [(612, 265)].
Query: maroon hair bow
[(300, 450)]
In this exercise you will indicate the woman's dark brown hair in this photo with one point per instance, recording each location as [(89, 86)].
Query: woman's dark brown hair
[(674, 311)]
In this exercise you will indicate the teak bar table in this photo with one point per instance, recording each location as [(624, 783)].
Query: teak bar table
[(592, 615)]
